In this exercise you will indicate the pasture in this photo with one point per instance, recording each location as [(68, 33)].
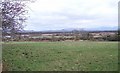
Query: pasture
[(60, 56)]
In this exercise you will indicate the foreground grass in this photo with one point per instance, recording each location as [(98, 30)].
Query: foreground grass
[(60, 56)]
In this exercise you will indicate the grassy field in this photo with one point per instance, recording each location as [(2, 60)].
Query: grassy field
[(60, 56)]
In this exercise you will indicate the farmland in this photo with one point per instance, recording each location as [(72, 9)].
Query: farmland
[(60, 56)]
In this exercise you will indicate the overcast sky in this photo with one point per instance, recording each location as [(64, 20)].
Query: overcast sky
[(63, 14)]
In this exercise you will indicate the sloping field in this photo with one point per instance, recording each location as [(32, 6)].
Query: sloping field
[(60, 56)]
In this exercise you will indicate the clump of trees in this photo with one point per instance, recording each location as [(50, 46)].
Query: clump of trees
[(111, 37)]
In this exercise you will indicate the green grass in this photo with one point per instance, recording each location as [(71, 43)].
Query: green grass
[(60, 56)]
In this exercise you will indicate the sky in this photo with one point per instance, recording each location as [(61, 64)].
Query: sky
[(66, 14)]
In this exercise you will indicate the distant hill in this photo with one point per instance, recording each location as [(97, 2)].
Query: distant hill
[(78, 29), (102, 29)]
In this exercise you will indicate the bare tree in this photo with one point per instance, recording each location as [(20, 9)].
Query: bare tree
[(76, 35), (13, 16)]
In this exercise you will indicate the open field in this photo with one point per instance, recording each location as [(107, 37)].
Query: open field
[(60, 56)]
